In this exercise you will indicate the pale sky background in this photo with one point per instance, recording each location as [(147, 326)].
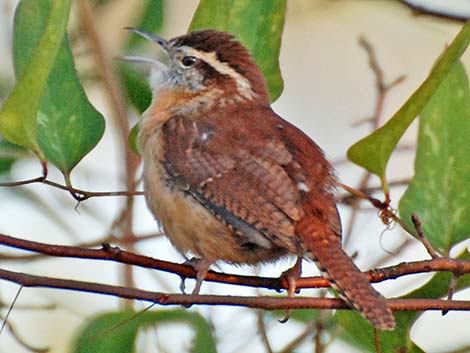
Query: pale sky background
[(328, 87)]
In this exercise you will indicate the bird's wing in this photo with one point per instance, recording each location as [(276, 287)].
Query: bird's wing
[(247, 177)]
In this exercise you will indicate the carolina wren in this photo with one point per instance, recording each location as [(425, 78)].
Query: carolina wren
[(229, 180)]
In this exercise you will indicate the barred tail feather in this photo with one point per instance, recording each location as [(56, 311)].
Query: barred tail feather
[(352, 285)]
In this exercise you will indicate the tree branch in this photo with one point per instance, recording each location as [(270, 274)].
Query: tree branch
[(109, 253), (263, 302), (78, 194)]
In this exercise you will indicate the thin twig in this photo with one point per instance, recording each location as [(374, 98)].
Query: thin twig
[(389, 255), (422, 237), (21, 341), (113, 328), (454, 280), (82, 195), (380, 85), (5, 320), (362, 195), (348, 197), (263, 333), (23, 182), (378, 346), (379, 80), (6, 324), (355, 209), (319, 346), (299, 339), (118, 103), (382, 89)]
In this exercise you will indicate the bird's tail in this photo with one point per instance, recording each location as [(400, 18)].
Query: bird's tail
[(350, 283)]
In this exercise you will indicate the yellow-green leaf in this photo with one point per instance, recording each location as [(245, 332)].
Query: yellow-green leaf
[(132, 139), (9, 153), (117, 332), (68, 126), (440, 189), (373, 151), (18, 112)]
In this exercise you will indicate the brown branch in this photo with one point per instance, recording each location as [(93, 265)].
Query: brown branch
[(380, 85), (108, 253), (263, 302), (23, 182), (360, 194), (111, 239), (79, 194), (349, 197), (379, 80)]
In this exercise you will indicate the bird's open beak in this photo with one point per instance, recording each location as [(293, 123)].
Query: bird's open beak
[(159, 71), (163, 43)]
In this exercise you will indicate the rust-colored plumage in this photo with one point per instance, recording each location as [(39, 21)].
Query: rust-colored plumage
[(230, 180)]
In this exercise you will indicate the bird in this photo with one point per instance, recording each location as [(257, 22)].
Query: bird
[(231, 181)]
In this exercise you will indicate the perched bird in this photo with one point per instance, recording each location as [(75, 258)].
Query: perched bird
[(230, 180)]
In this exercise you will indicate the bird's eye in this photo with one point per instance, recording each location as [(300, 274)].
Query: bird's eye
[(188, 60)]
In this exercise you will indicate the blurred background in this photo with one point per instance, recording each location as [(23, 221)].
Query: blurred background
[(329, 92)]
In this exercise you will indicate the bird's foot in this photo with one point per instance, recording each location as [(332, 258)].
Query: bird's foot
[(291, 275), (201, 266)]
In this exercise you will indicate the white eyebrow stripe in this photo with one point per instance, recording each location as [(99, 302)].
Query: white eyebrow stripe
[(243, 84)]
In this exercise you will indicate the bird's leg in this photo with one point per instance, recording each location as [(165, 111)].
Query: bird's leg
[(202, 267), (292, 275)]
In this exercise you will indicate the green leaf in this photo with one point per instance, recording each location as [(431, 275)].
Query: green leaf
[(132, 139), (373, 151), (135, 82), (439, 191), (117, 332), (18, 113), (257, 24), (151, 20), (212, 14), (9, 153), (359, 333), (136, 86), (68, 126)]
